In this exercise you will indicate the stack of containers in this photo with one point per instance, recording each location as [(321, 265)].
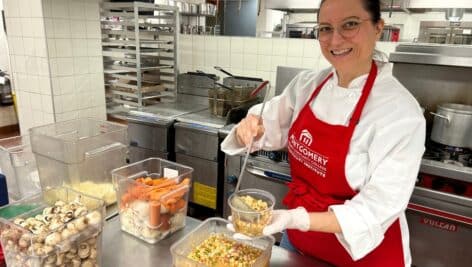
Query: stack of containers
[(80, 154), (18, 164), (153, 197), (60, 227)]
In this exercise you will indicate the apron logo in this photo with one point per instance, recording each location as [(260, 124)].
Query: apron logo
[(306, 138), (313, 160)]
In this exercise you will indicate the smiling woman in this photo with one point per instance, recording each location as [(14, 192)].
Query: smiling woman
[(348, 32), (369, 131)]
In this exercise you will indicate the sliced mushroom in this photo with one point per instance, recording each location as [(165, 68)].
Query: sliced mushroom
[(81, 211), (94, 218), (84, 250), (53, 239), (60, 259), (92, 241), (80, 223), (76, 263), (87, 263), (70, 255), (93, 254)]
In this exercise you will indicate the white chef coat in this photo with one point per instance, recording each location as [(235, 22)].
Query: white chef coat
[(384, 155)]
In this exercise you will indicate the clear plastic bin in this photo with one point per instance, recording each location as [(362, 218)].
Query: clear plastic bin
[(18, 164), (80, 154), (53, 229), (147, 210), (182, 248)]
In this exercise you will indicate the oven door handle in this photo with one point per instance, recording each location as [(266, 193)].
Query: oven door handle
[(271, 175)]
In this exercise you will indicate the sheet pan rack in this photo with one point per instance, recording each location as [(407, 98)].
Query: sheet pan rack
[(139, 44)]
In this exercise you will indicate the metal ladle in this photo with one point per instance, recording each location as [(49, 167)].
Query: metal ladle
[(248, 152)]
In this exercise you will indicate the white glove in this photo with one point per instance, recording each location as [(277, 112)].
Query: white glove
[(281, 219), (288, 219)]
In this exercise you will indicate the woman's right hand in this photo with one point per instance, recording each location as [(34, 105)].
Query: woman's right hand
[(249, 128)]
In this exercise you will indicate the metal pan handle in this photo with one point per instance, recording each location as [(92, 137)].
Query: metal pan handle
[(224, 71), (260, 87), (441, 116)]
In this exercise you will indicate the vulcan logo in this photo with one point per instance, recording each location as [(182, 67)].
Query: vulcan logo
[(439, 224), (306, 138)]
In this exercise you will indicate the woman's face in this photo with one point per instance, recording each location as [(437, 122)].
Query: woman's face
[(347, 34)]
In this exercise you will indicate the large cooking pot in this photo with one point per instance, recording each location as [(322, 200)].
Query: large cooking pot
[(452, 125)]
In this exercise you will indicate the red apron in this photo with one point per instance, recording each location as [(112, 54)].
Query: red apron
[(317, 154)]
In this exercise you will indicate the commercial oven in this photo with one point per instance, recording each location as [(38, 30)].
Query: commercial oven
[(440, 210)]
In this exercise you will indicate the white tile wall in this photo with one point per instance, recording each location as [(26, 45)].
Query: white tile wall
[(55, 50), (253, 56), (30, 65), (75, 53)]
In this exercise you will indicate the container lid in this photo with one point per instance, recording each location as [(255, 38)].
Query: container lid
[(456, 108)]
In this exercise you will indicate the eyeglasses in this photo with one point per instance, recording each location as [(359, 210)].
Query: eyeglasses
[(347, 29)]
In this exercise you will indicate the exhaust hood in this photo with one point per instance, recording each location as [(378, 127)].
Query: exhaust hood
[(455, 14)]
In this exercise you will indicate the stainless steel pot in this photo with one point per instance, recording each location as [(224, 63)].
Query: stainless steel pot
[(452, 125)]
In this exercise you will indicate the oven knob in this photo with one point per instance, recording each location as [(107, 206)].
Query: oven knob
[(232, 179), (275, 156)]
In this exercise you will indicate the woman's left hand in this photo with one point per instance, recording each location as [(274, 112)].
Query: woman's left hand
[(298, 219)]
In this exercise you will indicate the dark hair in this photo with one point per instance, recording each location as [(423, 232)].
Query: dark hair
[(371, 6)]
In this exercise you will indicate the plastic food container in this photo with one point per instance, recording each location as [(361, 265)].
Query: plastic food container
[(18, 164), (152, 197), (61, 227), (217, 226), (80, 154), (251, 210)]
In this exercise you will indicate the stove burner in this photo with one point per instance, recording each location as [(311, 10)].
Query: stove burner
[(448, 154)]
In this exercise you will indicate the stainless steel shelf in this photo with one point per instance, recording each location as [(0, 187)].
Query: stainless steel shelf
[(128, 33), (134, 68), (433, 54), (132, 23), (195, 15), (430, 59), (446, 170), (131, 6)]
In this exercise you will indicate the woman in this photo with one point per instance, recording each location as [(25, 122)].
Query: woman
[(355, 138)]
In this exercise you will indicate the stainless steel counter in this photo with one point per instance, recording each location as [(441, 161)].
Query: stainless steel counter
[(163, 111), (204, 118), (121, 249)]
